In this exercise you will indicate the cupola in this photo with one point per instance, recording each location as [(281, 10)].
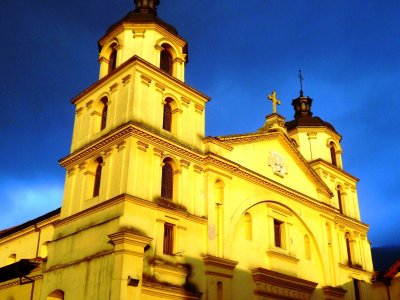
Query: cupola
[(147, 6), (143, 34), (315, 138)]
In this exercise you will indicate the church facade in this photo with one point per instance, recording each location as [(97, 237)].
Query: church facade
[(154, 209)]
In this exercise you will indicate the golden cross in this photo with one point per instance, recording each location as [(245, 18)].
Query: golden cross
[(274, 100)]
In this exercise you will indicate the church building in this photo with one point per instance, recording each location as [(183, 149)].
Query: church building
[(155, 209)]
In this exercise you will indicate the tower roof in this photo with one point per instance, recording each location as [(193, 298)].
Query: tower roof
[(303, 116), (145, 12)]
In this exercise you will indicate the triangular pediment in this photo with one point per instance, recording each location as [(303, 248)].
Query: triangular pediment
[(274, 156)]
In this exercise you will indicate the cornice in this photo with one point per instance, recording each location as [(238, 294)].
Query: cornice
[(261, 275), (124, 26), (240, 171), (257, 137), (132, 199), (202, 159), (160, 290), (351, 223), (216, 141), (130, 129), (219, 262), (335, 170), (307, 129), (170, 81), (31, 227), (136, 60)]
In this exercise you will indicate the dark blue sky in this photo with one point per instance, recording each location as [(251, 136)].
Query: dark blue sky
[(239, 51)]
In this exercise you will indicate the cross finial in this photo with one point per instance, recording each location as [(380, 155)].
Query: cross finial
[(301, 78), (274, 100)]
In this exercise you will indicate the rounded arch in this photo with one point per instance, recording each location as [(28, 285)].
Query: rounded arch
[(307, 247), (349, 239), (100, 101), (171, 111), (169, 98), (93, 162), (173, 160), (169, 178), (219, 191), (107, 49), (100, 113), (256, 200), (109, 57), (164, 42), (332, 142), (56, 295), (12, 258), (340, 197), (248, 226), (43, 250)]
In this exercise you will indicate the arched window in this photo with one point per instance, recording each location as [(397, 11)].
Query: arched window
[(220, 290), (167, 117), (167, 180), (307, 247), (333, 153), (166, 59), (339, 196), (56, 295), (104, 113), (248, 230), (348, 249), (97, 178), (112, 63)]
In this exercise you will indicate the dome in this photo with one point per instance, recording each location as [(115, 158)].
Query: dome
[(303, 116), (135, 17)]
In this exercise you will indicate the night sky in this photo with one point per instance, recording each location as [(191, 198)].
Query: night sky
[(239, 51)]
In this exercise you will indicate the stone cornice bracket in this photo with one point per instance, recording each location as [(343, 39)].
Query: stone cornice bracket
[(138, 33), (142, 146), (158, 152), (79, 111), (184, 163), (146, 80), (113, 88), (126, 79), (89, 104), (160, 87)]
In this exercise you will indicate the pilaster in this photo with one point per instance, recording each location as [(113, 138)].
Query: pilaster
[(128, 265)]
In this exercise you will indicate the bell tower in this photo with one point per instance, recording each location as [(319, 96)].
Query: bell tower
[(142, 62), (142, 33)]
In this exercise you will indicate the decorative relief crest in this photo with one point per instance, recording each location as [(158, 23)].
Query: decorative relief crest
[(276, 161)]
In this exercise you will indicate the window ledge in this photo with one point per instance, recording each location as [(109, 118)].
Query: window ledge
[(350, 266), (282, 256)]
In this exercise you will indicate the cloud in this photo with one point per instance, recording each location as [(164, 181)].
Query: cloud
[(25, 200)]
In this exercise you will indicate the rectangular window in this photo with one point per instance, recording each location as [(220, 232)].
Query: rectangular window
[(278, 228), (168, 247)]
